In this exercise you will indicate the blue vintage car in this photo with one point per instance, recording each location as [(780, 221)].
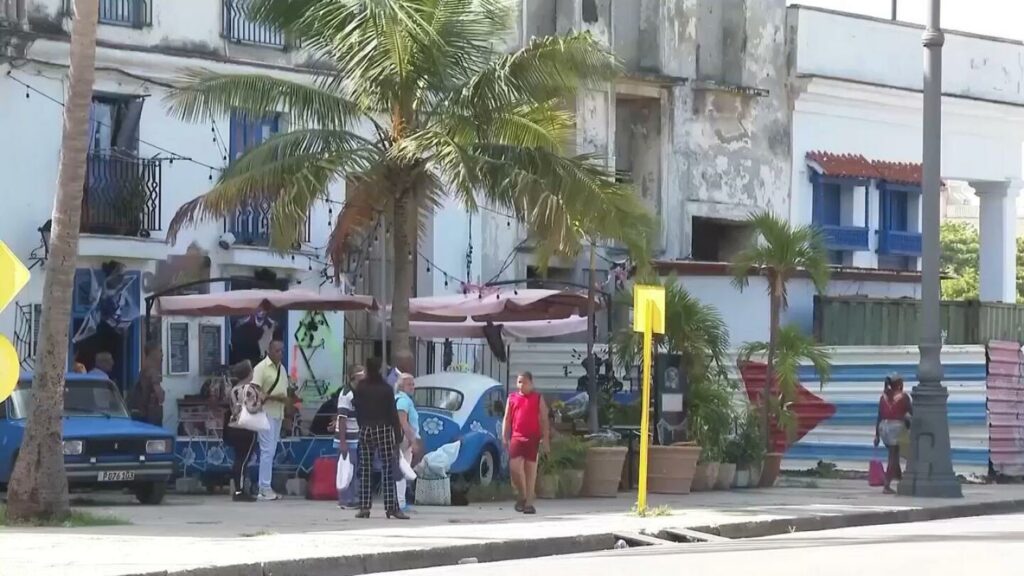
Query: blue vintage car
[(103, 447), (467, 407)]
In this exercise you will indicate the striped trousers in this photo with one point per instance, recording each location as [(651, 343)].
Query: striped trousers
[(379, 441)]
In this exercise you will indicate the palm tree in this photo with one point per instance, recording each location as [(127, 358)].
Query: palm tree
[(792, 349), (782, 250), (39, 487), (413, 100), (693, 329)]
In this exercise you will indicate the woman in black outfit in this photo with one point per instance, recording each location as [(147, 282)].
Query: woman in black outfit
[(380, 434), (241, 441)]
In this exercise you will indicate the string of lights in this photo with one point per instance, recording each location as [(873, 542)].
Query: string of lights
[(172, 154)]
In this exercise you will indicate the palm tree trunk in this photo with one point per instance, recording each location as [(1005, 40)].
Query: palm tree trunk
[(39, 486), (775, 297), (403, 241)]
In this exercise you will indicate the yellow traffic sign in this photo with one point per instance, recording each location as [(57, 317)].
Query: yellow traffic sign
[(13, 277), (649, 308), (649, 318)]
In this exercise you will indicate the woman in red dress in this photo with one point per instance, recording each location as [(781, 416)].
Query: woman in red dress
[(525, 433), (894, 410)]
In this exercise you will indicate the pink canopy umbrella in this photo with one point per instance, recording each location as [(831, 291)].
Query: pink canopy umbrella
[(499, 306), (527, 329), (241, 302)]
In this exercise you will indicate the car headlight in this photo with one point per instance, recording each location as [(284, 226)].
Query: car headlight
[(158, 446), (73, 447)]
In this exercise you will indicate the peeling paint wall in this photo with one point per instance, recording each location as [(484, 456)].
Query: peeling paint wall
[(638, 149), (737, 142)]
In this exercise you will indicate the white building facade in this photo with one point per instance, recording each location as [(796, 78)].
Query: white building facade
[(143, 165)]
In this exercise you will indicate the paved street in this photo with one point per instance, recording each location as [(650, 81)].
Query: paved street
[(985, 545), (190, 532)]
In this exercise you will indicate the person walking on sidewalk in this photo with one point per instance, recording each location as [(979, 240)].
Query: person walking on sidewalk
[(244, 395), (525, 432), (348, 437), (409, 419), (894, 411), (272, 379), (379, 434)]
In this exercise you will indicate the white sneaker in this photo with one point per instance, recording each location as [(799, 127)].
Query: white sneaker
[(268, 496)]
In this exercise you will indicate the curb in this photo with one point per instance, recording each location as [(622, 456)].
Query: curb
[(536, 548)]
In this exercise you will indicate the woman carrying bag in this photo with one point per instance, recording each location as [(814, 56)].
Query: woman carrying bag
[(241, 422)]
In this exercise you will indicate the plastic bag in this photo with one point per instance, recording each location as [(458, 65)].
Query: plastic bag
[(406, 468), (345, 473), (576, 407), (436, 464), (876, 473)]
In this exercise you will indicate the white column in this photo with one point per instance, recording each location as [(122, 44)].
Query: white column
[(998, 227), (863, 259)]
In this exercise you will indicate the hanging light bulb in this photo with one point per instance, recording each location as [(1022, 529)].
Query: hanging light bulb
[(445, 280), (310, 260)]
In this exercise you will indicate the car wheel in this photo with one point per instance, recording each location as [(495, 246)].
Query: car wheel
[(486, 468), (151, 493)]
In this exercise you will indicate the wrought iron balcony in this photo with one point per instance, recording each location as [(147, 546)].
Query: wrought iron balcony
[(238, 27), (899, 243), (122, 195), (251, 226), (131, 13), (845, 238)]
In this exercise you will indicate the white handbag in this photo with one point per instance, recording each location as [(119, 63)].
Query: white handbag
[(406, 467), (254, 421), (345, 473)]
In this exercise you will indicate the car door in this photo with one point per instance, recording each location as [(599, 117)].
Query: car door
[(10, 439)]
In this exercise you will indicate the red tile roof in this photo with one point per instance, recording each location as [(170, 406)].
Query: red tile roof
[(857, 166)]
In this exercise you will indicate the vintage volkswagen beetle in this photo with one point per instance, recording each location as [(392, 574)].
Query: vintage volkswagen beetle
[(467, 407)]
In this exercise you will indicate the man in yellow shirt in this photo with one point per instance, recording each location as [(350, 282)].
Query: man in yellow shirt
[(272, 378)]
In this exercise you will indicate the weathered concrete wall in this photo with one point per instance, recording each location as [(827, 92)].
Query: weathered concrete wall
[(737, 140), (638, 146)]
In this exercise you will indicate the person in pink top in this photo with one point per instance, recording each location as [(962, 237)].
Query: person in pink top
[(525, 433)]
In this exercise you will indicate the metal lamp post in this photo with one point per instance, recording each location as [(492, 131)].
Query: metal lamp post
[(930, 466)]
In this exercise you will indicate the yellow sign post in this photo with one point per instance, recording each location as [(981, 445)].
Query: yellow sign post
[(13, 277), (649, 318)]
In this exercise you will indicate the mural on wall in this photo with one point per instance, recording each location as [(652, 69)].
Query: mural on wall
[(110, 301), (316, 394)]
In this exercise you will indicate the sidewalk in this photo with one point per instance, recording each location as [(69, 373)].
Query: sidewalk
[(197, 535)]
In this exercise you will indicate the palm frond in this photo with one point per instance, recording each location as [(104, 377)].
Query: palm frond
[(289, 171), (201, 95)]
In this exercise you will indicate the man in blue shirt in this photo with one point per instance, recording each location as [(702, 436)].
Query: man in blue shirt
[(404, 364), (409, 418)]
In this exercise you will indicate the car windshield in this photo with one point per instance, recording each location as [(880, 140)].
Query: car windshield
[(439, 398), (81, 398)]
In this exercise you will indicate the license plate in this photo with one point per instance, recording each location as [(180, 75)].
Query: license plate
[(117, 476)]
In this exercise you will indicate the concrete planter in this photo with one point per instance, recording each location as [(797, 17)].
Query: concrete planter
[(742, 478), (671, 469), (726, 474), (770, 469), (570, 483), (603, 471), (755, 475), (705, 477), (547, 486)]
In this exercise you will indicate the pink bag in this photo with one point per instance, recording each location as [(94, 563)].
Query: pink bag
[(876, 473)]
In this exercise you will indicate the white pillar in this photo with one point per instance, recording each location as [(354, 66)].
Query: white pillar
[(998, 227), (862, 218)]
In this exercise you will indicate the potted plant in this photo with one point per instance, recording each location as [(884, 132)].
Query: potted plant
[(709, 423), (750, 446), (548, 469), (697, 334), (602, 469), (780, 251), (730, 461), (571, 452)]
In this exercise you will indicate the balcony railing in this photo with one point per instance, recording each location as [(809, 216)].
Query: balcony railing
[(845, 238), (899, 243), (251, 226), (122, 195), (132, 13), (238, 27)]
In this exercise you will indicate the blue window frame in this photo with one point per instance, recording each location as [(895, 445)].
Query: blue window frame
[(827, 214), (894, 235), (251, 225), (126, 346)]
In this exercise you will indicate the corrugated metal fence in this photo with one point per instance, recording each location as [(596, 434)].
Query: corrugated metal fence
[(858, 321), (1005, 402)]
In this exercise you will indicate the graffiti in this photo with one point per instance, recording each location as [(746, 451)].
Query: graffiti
[(110, 300)]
